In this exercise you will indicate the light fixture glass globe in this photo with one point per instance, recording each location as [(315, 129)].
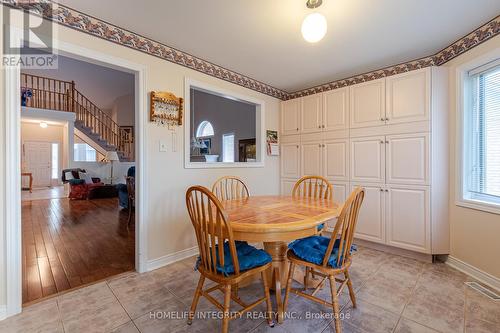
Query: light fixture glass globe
[(314, 27), (43, 124)]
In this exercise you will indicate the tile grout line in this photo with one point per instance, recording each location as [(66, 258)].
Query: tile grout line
[(60, 314), (125, 310)]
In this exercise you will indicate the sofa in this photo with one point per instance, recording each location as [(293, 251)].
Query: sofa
[(79, 189), (122, 189)]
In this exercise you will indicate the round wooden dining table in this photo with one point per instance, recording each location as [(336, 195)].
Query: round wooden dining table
[(276, 221)]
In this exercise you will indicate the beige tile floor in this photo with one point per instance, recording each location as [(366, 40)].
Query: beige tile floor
[(395, 294)]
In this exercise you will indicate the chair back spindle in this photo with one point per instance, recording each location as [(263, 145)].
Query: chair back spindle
[(313, 187), (344, 228), (230, 188), (212, 230)]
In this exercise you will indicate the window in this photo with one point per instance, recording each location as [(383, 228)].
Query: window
[(55, 161), (205, 129), (84, 153), (228, 148), (481, 145)]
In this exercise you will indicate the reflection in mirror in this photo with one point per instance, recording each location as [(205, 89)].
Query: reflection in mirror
[(222, 129)]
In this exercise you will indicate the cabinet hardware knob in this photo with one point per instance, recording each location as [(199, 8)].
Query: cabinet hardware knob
[(323, 126), (387, 119), (297, 146), (381, 119), (297, 128), (381, 190), (386, 190), (319, 126), (387, 142), (381, 141), (319, 145)]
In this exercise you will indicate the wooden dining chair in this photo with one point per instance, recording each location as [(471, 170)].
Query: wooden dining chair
[(221, 259), (230, 188), (313, 187), (331, 257)]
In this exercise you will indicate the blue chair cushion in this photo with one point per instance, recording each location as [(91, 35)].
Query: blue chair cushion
[(321, 226), (313, 249), (248, 257)]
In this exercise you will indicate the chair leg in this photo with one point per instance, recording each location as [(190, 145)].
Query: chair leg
[(227, 300), (306, 278), (269, 314), (196, 298), (351, 289), (289, 284), (335, 303)]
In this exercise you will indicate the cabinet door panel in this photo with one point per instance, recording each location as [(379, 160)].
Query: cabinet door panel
[(290, 113), (408, 159), (371, 219), (408, 222), (311, 158), (408, 96), (367, 104), (336, 109), (336, 159), (287, 186), (311, 114), (290, 160), (341, 191), (368, 159)]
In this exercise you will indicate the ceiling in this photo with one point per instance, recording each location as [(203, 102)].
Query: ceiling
[(261, 39)]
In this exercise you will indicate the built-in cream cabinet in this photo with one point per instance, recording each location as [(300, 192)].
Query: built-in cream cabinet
[(311, 114), (290, 116), (367, 104), (336, 109), (389, 136), (408, 97)]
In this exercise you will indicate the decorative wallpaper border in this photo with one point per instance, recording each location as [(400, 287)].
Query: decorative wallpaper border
[(85, 23)]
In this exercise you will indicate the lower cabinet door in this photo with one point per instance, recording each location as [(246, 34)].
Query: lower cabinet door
[(371, 219), (408, 217), (287, 186), (341, 191), (310, 157)]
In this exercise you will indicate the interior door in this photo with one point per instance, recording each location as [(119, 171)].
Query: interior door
[(290, 113), (408, 96), (311, 114), (408, 159), (336, 109), (290, 160), (408, 221), (367, 104), (368, 159), (371, 219), (38, 161), (335, 159), (310, 156)]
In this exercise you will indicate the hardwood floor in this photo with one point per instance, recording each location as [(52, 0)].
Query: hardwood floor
[(70, 243)]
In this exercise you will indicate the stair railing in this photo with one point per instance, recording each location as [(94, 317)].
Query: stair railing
[(53, 94)]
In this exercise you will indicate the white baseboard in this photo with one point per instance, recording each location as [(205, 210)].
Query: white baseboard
[(474, 272), (171, 258), (3, 312)]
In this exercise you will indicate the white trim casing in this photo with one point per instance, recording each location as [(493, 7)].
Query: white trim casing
[(171, 258), (260, 132), (12, 145), (462, 73), (474, 272), (3, 312)]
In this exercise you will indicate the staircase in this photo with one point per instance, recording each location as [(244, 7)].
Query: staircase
[(46, 93)]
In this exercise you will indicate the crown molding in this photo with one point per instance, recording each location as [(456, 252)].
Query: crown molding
[(91, 25)]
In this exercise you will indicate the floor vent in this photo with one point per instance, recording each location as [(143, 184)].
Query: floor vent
[(483, 290)]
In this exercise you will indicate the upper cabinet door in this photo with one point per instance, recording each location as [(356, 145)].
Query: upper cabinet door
[(290, 115), (408, 221), (311, 113), (408, 96), (367, 104), (335, 159), (408, 159), (336, 109), (311, 158), (368, 159), (290, 160)]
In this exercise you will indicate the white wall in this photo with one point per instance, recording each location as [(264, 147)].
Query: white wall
[(474, 233), (169, 228)]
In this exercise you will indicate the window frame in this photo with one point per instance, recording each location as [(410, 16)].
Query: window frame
[(464, 197), (259, 128)]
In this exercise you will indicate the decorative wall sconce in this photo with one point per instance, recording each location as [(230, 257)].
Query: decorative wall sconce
[(166, 108)]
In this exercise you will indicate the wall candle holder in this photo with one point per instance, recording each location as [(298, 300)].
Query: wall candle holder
[(166, 108)]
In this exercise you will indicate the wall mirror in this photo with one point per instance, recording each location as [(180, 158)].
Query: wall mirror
[(223, 129)]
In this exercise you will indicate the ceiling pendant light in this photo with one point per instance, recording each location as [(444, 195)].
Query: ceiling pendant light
[(314, 25), (43, 124)]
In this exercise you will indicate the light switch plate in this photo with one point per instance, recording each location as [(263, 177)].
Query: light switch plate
[(163, 146)]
